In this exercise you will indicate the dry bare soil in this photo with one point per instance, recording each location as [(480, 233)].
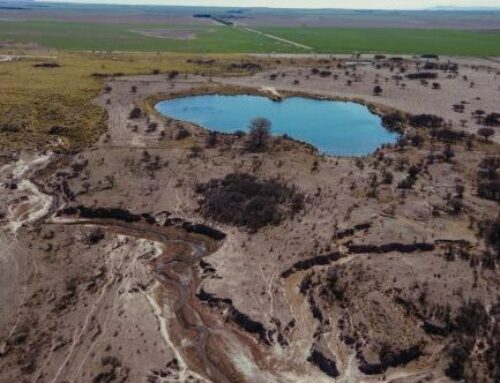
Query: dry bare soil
[(124, 261)]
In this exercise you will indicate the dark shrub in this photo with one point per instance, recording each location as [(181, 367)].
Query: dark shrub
[(9, 128), (211, 140), (47, 65), (182, 133), (249, 66), (488, 168), (335, 288), (387, 177), (421, 75), (489, 190), (173, 74), (152, 126), (492, 119), (449, 66), (135, 113), (488, 185), (472, 318), (448, 153), (243, 200), (486, 133), (458, 357), (95, 236), (430, 56), (490, 231), (57, 130), (426, 121), (393, 121), (449, 135)]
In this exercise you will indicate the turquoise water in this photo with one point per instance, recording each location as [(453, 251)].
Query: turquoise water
[(334, 127)]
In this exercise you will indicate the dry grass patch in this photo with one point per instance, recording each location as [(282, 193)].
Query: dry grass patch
[(50, 106)]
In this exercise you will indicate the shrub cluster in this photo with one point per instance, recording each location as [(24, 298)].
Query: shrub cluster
[(393, 121), (474, 325), (488, 178), (243, 200), (452, 67), (421, 75), (426, 121)]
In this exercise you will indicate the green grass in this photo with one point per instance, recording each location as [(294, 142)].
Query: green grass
[(121, 37), (404, 41), (221, 39)]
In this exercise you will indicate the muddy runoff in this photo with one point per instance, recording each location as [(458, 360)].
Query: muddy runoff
[(211, 340), (203, 339)]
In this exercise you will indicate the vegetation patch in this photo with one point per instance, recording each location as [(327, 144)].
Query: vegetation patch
[(50, 106), (243, 200)]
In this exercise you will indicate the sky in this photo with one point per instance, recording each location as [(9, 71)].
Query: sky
[(351, 4)]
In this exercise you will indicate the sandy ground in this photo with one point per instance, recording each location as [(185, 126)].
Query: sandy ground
[(121, 320), (415, 98)]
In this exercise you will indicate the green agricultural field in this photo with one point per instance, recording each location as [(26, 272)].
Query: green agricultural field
[(409, 41), (222, 39), (126, 38)]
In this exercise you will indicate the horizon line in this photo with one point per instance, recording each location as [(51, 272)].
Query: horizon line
[(434, 8)]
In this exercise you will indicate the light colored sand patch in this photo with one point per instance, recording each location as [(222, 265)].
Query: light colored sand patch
[(172, 34), (161, 315), (244, 363), (38, 206), (271, 90)]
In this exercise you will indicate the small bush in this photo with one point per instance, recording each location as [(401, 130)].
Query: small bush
[(173, 74), (135, 113), (492, 119), (182, 133), (260, 132), (486, 133), (377, 91)]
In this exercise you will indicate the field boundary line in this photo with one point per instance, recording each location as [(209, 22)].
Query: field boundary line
[(279, 38)]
